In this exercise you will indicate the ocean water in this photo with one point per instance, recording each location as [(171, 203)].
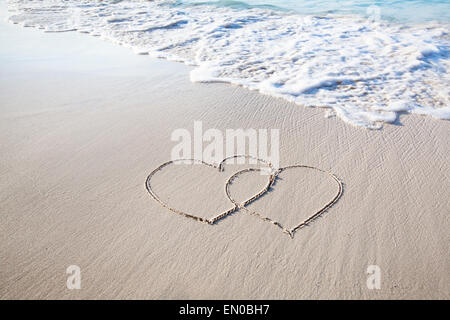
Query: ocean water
[(365, 61), (409, 11)]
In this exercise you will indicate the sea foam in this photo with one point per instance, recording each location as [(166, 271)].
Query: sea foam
[(365, 71)]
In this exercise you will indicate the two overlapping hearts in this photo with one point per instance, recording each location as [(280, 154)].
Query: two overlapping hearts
[(272, 176)]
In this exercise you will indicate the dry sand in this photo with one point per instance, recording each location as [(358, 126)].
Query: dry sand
[(82, 124)]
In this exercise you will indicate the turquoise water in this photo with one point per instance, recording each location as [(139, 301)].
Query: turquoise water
[(409, 11)]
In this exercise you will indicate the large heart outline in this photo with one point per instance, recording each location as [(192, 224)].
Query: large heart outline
[(219, 167), (290, 231)]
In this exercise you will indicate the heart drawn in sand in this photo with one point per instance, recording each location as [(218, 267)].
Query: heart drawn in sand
[(290, 231), (272, 178), (220, 167)]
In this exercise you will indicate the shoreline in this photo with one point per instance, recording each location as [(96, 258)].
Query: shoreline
[(83, 122), (369, 72)]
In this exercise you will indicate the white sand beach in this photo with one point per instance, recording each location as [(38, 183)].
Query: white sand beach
[(82, 124)]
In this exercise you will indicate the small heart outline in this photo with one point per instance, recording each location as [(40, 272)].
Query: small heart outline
[(219, 167), (273, 178)]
